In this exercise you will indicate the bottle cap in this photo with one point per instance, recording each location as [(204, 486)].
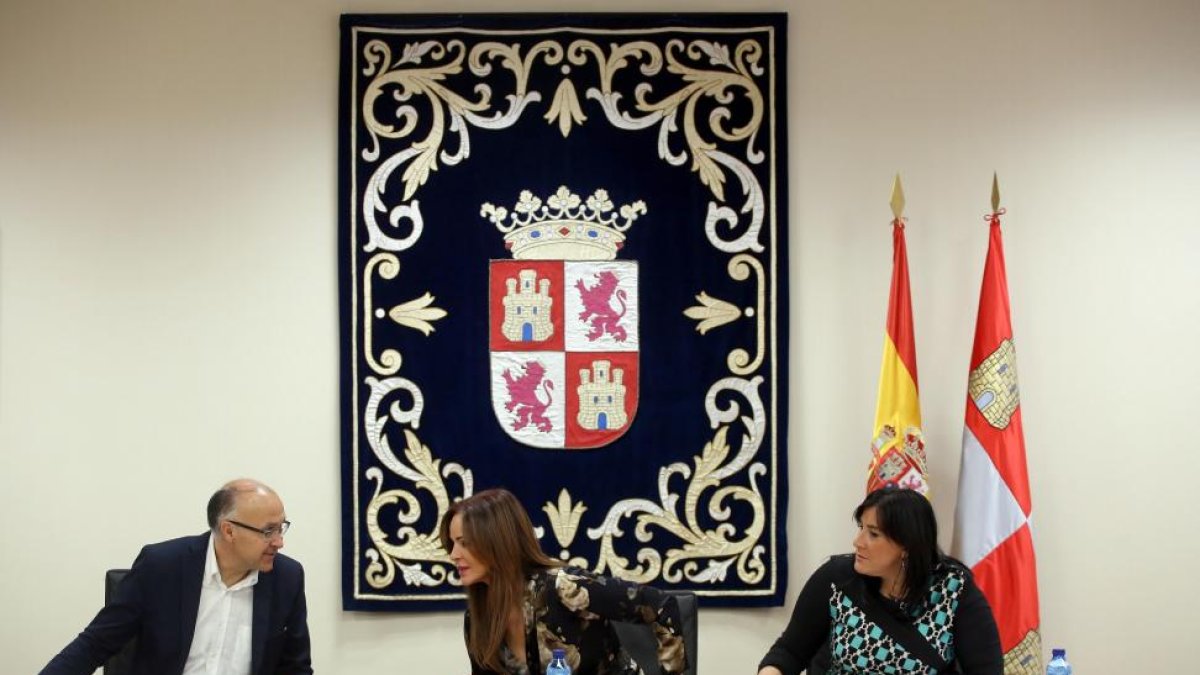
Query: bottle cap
[(1058, 653), (559, 653)]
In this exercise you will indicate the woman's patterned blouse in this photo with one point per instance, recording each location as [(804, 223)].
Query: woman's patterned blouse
[(572, 609), (842, 625)]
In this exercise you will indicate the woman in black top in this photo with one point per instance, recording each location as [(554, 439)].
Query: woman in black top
[(522, 604), (895, 605)]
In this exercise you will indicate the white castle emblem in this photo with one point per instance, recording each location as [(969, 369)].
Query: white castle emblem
[(526, 310), (602, 400)]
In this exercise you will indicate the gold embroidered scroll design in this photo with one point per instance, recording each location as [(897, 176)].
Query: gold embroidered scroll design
[(407, 78), (707, 70), (424, 472)]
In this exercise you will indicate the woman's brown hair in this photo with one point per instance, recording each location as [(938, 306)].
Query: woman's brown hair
[(497, 530)]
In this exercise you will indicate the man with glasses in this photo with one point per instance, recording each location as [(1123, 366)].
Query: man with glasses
[(225, 602)]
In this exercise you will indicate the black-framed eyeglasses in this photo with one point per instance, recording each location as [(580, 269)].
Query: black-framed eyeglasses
[(268, 532)]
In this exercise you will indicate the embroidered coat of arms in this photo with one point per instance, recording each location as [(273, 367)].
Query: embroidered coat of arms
[(563, 271), (564, 322)]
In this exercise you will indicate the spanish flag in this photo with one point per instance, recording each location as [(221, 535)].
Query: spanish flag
[(898, 447)]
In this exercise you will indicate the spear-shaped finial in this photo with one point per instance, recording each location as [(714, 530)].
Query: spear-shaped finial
[(995, 193), (897, 198)]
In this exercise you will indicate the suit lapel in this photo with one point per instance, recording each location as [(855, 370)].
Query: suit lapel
[(191, 576), (263, 590)]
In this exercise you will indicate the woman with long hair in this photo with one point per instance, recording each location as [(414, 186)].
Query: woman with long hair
[(897, 604), (522, 604)]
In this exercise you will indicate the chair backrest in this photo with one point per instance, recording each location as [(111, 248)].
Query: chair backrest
[(121, 663), (638, 639)]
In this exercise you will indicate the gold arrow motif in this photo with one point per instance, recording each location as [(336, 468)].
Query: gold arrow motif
[(897, 198), (713, 313), (417, 314)]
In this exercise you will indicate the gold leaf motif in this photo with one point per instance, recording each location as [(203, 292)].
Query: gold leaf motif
[(713, 313), (710, 174), (564, 518), (565, 108), (735, 73), (405, 83), (417, 314), (562, 199)]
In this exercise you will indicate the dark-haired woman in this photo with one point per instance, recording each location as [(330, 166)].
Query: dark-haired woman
[(896, 605), (522, 604)]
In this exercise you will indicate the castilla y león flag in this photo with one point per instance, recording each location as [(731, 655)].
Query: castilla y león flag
[(897, 446), (991, 525)]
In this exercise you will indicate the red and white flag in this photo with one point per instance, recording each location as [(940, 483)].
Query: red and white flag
[(992, 523)]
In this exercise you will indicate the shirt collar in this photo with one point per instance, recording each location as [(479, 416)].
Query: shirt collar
[(212, 573)]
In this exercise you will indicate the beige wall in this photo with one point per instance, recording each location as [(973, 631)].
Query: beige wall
[(168, 301)]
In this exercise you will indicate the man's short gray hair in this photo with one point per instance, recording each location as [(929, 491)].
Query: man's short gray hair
[(223, 503)]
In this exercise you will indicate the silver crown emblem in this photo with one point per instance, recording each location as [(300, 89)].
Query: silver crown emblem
[(564, 227)]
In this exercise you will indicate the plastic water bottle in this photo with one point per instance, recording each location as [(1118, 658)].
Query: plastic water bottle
[(558, 663), (1058, 663)]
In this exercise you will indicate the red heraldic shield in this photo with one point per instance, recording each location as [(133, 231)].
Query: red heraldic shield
[(563, 337)]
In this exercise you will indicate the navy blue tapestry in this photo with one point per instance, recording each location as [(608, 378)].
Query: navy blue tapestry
[(563, 271)]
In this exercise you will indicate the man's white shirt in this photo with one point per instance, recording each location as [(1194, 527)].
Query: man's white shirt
[(222, 641)]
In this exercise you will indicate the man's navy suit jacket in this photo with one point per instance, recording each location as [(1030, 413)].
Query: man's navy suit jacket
[(157, 603)]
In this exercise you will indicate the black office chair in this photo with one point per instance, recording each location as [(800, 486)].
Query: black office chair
[(121, 663), (638, 639)]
